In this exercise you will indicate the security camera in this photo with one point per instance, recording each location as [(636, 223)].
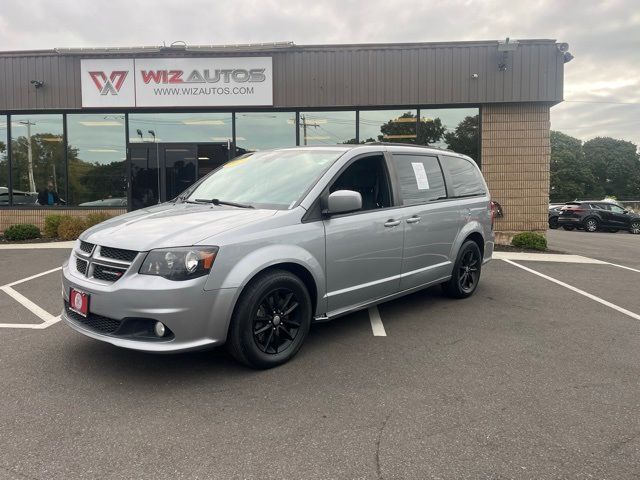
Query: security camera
[(37, 83), (563, 47), (567, 57)]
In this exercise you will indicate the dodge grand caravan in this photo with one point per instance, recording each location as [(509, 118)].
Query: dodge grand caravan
[(270, 242)]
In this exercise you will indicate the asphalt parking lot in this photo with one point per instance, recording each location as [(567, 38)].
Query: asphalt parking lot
[(527, 379)]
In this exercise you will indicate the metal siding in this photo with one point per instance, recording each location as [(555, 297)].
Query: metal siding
[(336, 76)]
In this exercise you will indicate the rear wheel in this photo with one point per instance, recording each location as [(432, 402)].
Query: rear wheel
[(590, 225), (568, 228), (553, 223), (635, 227), (466, 272), (271, 320)]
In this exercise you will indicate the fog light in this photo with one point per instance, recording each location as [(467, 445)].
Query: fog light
[(159, 329)]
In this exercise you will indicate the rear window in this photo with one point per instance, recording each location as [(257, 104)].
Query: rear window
[(465, 177), (420, 178)]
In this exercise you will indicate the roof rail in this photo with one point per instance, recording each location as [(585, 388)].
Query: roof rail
[(398, 144)]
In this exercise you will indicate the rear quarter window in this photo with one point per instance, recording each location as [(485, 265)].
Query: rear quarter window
[(466, 179), (420, 178)]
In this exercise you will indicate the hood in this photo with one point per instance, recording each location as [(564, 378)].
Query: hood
[(170, 225)]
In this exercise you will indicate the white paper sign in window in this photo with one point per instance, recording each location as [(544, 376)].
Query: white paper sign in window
[(421, 175)]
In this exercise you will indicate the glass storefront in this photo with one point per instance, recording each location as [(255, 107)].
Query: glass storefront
[(327, 128), (167, 152), (263, 130), (388, 126), (37, 160), (97, 156), (180, 127), (4, 163)]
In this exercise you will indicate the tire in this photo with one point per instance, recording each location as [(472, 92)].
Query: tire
[(590, 225), (553, 223), (568, 228), (466, 272), (635, 227), (262, 334)]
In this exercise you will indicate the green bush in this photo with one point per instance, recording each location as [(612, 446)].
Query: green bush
[(530, 240), (70, 228), (96, 218), (21, 231), (51, 224)]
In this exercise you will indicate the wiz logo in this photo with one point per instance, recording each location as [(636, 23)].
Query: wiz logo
[(109, 85)]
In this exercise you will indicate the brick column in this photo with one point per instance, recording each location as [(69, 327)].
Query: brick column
[(515, 163)]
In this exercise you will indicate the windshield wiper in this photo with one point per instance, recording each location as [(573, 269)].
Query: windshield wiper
[(217, 201)]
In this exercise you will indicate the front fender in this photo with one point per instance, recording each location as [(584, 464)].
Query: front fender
[(249, 265)]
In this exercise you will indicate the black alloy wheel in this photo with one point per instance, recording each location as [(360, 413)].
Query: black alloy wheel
[(635, 227), (276, 322), (466, 272), (590, 225), (271, 320)]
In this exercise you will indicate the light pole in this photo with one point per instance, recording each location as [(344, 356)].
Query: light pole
[(155, 140)]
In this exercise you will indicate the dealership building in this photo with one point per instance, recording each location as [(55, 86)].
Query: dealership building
[(116, 129)]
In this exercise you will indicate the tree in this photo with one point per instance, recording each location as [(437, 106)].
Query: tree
[(465, 138), (571, 177), (407, 129), (616, 165)]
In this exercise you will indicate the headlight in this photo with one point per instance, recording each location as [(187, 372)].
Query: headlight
[(179, 263)]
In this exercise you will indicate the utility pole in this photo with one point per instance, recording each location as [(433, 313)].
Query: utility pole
[(32, 182), (306, 124)]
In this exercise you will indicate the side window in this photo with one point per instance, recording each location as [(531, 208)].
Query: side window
[(616, 209), (597, 206), (420, 178), (367, 176), (466, 178)]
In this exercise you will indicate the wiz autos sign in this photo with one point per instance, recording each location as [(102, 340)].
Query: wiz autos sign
[(177, 82)]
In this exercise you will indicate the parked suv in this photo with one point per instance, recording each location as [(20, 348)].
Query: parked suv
[(270, 242), (592, 216)]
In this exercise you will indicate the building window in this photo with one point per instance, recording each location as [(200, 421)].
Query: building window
[(388, 126), (327, 128), (264, 130), (4, 163), (180, 127), (97, 160), (454, 128), (37, 160)]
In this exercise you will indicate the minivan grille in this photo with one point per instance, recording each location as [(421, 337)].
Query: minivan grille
[(107, 264), (86, 247), (94, 322), (118, 254)]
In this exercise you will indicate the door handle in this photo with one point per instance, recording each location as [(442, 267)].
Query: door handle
[(414, 219), (392, 223)]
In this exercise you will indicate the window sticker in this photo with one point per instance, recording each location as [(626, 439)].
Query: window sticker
[(421, 175)]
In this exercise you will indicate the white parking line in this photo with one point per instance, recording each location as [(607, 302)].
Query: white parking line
[(376, 322), (17, 282), (629, 313), (545, 257)]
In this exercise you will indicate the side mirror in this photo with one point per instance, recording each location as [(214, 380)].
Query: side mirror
[(343, 201)]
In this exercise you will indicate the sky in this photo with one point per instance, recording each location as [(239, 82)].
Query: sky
[(602, 83)]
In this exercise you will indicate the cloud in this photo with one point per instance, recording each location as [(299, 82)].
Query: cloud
[(604, 36)]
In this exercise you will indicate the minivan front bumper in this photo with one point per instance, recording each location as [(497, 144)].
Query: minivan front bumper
[(196, 318)]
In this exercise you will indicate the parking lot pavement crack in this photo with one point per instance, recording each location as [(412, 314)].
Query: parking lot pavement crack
[(378, 440)]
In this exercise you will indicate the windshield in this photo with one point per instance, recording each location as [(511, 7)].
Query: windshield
[(271, 179)]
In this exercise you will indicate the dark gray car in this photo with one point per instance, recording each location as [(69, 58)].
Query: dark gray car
[(270, 242)]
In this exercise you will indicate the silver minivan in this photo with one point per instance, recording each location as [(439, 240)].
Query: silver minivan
[(272, 241)]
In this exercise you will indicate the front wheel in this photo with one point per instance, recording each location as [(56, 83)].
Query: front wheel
[(271, 320), (466, 272), (553, 223), (635, 227)]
